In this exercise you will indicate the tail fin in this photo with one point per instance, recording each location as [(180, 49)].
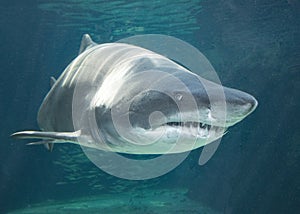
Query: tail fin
[(48, 138)]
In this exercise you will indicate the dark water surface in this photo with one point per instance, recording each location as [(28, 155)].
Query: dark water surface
[(253, 45)]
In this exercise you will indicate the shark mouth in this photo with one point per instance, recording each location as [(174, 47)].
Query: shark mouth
[(173, 136), (195, 129), (197, 125)]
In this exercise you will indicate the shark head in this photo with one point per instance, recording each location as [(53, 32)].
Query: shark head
[(168, 109)]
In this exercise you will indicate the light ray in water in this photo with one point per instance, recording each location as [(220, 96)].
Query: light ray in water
[(117, 19)]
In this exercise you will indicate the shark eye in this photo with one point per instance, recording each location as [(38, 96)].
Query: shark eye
[(178, 96)]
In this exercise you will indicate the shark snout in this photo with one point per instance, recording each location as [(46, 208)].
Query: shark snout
[(239, 104), (250, 104), (246, 102)]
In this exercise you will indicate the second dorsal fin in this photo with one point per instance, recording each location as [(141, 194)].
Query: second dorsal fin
[(86, 43)]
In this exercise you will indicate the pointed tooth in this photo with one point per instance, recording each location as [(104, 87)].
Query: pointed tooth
[(188, 124), (206, 131)]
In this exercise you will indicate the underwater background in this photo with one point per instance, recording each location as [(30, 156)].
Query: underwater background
[(252, 44)]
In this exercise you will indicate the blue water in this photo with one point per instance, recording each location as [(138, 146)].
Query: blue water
[(253, 45)]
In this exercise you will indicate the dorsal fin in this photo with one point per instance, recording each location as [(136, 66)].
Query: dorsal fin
[(86, 43), (52, 81)]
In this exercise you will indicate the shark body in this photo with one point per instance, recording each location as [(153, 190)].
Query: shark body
[(123, 98)]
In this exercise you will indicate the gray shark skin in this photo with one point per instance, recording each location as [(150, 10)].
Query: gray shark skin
[(109, 78)]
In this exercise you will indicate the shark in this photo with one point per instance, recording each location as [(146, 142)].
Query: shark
[(123, 98)]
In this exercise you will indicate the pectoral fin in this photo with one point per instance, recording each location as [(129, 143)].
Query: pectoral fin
[(48, 138), (47, 143)]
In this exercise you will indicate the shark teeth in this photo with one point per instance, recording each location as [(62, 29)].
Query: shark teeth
[(198, 129), (198, 125)]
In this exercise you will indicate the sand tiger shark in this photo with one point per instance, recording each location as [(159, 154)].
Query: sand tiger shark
[(158, 100)]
